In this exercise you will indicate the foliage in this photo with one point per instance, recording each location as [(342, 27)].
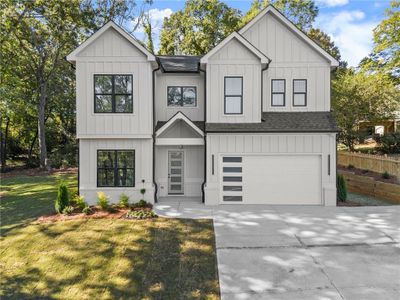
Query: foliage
[(142, 203), (123, 200), (198, 27), (386, 175), (87, 210), (389, 143), (68, 210), (385, 56), (103, 200), (80, 201), (62, 199), (143, 191), (350, 166), (301, 12), (341, 188), (141, 214), (357, 97)]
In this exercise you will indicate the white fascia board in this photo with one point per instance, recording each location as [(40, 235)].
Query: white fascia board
[(179, 116), (297, 31), (72, 56), (234, 35), (179, 141)]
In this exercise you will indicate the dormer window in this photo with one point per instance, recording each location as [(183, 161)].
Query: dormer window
[(182, 96), (278, 87), (299, 92), (233, 95), (113, 94)]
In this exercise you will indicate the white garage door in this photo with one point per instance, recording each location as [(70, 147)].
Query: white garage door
[(273, 179)]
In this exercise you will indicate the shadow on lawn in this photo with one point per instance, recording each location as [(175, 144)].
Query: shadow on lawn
[(111, 259)]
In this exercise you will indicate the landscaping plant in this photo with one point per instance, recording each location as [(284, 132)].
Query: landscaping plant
[(62, 199), (103, 200), (123, 200), (386, 175), (87, 210), (141, 214), (341, 188), (68, 210), (142, 191), (80, 202)]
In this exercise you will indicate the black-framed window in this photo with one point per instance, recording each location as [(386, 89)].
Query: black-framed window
[(113, 93), (299, 92), (233, 95), (185, 96), (278, 88), (116, 168)]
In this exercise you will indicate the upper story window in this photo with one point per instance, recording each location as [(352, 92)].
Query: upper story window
[(185, 96), (299, 92), (278, 87), (233, 95), (115, 168), (113, 94)]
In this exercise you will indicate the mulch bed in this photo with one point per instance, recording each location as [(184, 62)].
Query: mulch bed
[(97, 213), (375, 175), (348, 203)]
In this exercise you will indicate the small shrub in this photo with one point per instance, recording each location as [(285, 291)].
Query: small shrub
[(103, 200), (141, 214), (73, 193), (32, 163), (364, 171), (123, 200), (80, 202), (386, 175), (389, 143), (62, 199), (350, 166), (143, 191), (140, 203), (68, 210), (87, 210), (341, 188)]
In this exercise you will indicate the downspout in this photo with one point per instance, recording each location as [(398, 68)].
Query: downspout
[(262, 87), (154, 132), (203, 196)]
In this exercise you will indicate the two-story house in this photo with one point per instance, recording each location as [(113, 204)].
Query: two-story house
[(249, 122)]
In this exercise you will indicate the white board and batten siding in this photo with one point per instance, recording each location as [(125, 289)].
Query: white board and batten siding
[(292, 58), (111, 53), (163, 81), (88, 168), (193, 171), (276, 168), (234, 59)]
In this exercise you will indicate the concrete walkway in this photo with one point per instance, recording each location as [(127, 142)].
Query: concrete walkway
[(297, 252)]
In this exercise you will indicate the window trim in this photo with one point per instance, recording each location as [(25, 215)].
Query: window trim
[(300, 93), (241, 96), (112, 94), (278, 93), (116, 168), (181, 87)]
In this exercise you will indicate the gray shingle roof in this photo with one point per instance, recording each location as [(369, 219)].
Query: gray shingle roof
[(282, 122), (199, 124), (180, 63)]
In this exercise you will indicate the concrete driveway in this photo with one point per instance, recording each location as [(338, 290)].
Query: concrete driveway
[(302, 252)]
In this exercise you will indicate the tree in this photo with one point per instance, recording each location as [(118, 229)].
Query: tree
[(325, 42), (360, 96), (301, 12), (198, 28), (385, 56), (148, 30)]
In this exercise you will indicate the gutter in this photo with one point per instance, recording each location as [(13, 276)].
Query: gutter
[(203, 196), (154, 131)]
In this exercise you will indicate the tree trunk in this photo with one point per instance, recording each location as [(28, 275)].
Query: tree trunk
[(41, 126), (32, 144), (4, 138)]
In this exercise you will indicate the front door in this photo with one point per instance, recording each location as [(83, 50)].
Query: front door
[(175, 172)]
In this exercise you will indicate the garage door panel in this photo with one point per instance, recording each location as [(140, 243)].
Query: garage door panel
[(282, 179)]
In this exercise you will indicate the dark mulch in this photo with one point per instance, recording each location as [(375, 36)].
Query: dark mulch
[(375, 175), (348, 203)]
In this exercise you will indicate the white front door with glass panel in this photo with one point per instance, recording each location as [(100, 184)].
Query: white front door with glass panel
[(175, 172)]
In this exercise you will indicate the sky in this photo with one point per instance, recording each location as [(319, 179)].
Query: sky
[(348, 22)]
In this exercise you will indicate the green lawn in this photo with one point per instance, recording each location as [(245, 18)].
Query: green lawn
[(99, 258)]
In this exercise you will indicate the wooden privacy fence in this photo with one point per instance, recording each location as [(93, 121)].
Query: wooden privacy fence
[(375, 163)]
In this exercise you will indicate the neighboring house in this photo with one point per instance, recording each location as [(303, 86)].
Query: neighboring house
[(249, 122)]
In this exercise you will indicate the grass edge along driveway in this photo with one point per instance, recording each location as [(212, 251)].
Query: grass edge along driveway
[(101, 258)]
